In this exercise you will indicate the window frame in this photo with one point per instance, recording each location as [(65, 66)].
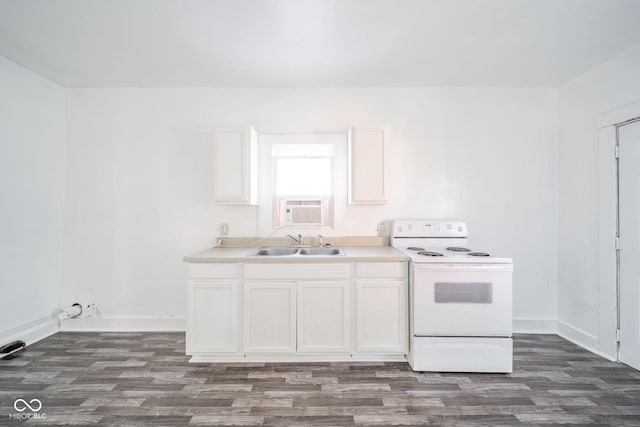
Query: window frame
[(267, 215)]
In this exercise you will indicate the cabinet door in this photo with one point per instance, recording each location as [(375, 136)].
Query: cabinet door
[(323, 316), (269, 317), (368, 165), (381, 316), (235, 166), (213, 316)]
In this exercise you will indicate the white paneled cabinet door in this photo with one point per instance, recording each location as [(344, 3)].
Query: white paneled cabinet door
[(214, 316), (368, 165), (235, 166), (323, 316), (269, 317), (381, 316)]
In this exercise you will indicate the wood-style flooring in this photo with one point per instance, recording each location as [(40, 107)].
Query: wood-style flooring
[(146, 379)]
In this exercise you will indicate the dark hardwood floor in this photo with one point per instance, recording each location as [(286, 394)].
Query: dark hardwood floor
[(145, 379)]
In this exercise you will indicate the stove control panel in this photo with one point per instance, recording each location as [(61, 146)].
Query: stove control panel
[(428, 228)]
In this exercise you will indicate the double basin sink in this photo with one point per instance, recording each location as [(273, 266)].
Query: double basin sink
[(282, 251)]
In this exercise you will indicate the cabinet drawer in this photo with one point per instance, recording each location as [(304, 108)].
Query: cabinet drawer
[(381, 269), (212, 270), (297, 271)]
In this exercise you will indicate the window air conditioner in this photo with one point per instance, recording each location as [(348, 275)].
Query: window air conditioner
[(303, 212)]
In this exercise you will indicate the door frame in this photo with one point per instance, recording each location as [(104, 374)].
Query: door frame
[(608, 226)]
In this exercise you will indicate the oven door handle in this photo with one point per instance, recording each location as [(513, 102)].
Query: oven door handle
[(462, 267)]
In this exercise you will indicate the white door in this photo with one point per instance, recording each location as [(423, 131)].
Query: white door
[(368, 165), (235, 166), (381, 316), (270, 317), (629, 274), (323, 316), (213, 317)]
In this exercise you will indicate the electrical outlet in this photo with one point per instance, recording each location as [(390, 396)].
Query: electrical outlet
[(381, 229), (224, 229), (92, 311)]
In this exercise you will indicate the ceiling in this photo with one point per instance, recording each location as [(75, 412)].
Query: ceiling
[(315, 43)]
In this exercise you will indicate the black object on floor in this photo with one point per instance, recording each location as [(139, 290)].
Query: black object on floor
[(12, 347)]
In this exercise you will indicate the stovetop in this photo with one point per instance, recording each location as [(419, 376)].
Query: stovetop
[(439, 241), (451, 254)]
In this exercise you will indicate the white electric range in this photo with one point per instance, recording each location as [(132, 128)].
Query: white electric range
[(460, 299)]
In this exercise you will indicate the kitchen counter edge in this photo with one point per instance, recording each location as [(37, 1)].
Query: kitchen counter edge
[(352, 254)]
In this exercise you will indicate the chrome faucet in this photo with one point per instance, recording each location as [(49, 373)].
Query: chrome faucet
[(320, 244), (299, 240)]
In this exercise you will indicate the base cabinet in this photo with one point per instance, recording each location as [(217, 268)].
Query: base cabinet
[(214, 317), (323, 317), (269, 312), (269, 317), (381, 316)]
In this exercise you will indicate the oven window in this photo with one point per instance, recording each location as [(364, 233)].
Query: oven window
[(467, 292)]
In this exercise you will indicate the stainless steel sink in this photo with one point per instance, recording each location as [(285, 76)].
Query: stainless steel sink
[(276, 251), (321, 251), (282, 251)]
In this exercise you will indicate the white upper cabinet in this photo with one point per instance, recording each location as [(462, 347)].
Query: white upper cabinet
[(368, 165), (235, 166)]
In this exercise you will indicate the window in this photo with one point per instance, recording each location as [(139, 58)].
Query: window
[(300, 177), (302, 184)]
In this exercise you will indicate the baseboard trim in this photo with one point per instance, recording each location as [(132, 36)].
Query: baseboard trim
[(535, 326), (158, 324), (31, 332), (124, 324), (295, 358), (581, 338)]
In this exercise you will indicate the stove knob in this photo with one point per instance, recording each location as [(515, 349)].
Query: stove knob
[(460, 228), (448, 226)]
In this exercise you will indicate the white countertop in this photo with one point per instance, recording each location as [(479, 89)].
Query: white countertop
[(352, 253)]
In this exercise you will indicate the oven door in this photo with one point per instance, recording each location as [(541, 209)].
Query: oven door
[(462, 300)]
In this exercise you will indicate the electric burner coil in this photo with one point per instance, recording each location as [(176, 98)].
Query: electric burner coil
[(430, 253)]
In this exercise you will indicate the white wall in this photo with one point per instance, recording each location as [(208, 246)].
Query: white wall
[(609, 86), (32, 143), (138, 184), (139, 167)]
